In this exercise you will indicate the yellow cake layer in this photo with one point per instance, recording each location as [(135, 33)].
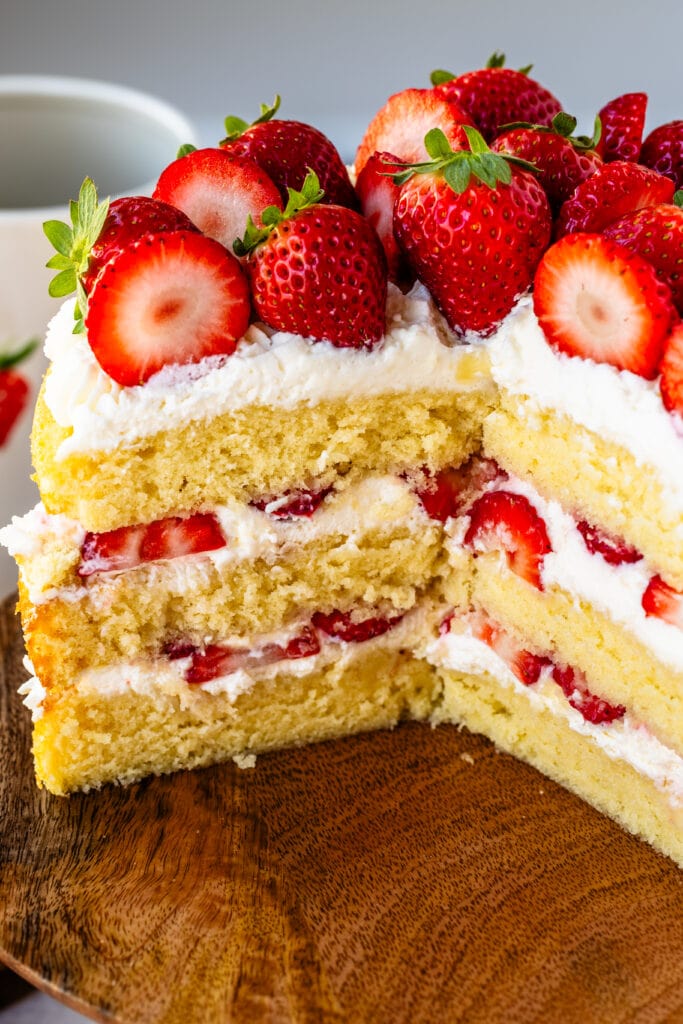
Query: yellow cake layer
[(618, 666), (85, 741), (254, 451), (547, 742), (590, 476)]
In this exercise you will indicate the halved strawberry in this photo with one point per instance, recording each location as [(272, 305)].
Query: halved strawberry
[(495, 96), (220, 659), (612, 191), (130, 546), (347, 627), (656, 233), (218, 190), (524, 664), (622, 120), (663, 151), (597, 300), (671, 369), (378, 193), (292, 504), (400, 126), (169, 299), (614, 550), (503, 521), (594, 709), (663, 602), (450, 491)]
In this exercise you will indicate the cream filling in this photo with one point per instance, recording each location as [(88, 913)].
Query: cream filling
[(620, 406), (624, 740), (267, 369), (376, 503)]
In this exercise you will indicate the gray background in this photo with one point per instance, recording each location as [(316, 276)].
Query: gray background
[(335, 64)]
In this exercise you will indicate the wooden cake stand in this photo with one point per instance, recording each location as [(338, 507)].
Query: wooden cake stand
[(393, 878)]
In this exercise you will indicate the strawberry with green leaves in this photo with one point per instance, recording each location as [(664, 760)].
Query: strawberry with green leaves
[(317, 270), (474, 225), (162, 292), (494, 96), (562, 161), (14, 389)]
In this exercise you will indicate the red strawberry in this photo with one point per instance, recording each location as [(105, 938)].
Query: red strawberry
[(473, 228), (218, 191), (287, 151), (503, 521), (400, 126), (220, 659), (663, 602), (656, 232), (622, 120), (450, 491), (597, 300), (671, 369), (168, 299), (612, 191), (614, 550), (129, 546), (343, 626), (14, 390), (663, 151), (561, 161), (495, 96), (378, 193), (292, 504), (525, 665), (318, 271), (594, 709)]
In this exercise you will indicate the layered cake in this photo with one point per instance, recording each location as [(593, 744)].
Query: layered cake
[(285, 499)]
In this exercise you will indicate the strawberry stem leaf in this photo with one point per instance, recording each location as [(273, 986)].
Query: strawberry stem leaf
[(10, 359), (459, 166), (185, 150), (526, 70), (562, 124), (496, 60), (438, 77), (310, 194), (236, 126), (678, 198)]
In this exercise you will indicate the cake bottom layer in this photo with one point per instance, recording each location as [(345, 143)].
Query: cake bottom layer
[(86, 739)]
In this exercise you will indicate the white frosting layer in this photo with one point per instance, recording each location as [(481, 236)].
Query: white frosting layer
[(268, 368), (614, 404), (623, 740)]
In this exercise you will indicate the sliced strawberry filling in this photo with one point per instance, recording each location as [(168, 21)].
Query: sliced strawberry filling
[(525, 665), (614, 550), (292, 503), (594, 709), (220, 659), (450, 491), (663, 602), (130, 546), (342, 626), (503, 521)]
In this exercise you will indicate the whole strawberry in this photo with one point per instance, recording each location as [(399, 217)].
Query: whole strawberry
[(612, 191), (14, 390), (562, 162), (656, 232), (495, 96), (622, 121), (317, 270), (663, 151), (474, 228), (287, 150)]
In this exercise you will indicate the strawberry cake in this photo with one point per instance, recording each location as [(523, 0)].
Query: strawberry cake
[(316, 456)]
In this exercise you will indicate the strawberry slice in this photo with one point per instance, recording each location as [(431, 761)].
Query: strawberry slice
[(129, 546), (220, 659), (597, 300), (656, 233), (594, 709), (292, 504), (450, 491), (503, 521), (400, 126), (378, 193), (663, 602), (524, 664), (614, 550), (218, 191), (623, 120), (663, 151), (342, 626), (671, 368), (612, 191), (169, 299)]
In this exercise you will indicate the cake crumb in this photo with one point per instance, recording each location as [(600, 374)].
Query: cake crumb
[(245, 760), (467, 758)]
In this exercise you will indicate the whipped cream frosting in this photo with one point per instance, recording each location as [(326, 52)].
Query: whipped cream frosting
[(625, 739), (614, 404), (268, 368)]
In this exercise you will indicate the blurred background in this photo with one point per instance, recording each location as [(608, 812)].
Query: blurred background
[(335, 64)]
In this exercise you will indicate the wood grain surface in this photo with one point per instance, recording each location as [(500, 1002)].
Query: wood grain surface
[(401, 877)]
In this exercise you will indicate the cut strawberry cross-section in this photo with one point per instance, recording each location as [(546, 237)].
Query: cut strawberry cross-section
[(343, 626), (594, 709), (503, 521), (450, 491), (526, 665), (292, 504), (220, 659), (663, 602), (614, 550)]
